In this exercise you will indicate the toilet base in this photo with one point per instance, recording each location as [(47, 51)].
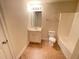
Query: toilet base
[(51, 43)]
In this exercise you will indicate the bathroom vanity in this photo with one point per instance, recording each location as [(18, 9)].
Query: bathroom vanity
[(34, 35), (34, 21)]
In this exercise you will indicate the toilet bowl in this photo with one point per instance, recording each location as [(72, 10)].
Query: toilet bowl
[(51, 37)]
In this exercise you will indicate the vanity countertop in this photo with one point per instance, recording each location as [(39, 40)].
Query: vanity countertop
[(35, 29)]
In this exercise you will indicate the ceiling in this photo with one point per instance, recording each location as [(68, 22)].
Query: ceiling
[(49, 1), (56, 0)]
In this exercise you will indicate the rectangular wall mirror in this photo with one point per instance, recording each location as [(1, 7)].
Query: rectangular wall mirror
[(36, 19)]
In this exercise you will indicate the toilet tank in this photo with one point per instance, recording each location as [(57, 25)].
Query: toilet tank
[(51, 33)]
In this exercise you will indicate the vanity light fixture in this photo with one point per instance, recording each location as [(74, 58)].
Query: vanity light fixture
[(34, 6)]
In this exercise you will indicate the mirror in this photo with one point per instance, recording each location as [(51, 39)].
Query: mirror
[(36, 19)]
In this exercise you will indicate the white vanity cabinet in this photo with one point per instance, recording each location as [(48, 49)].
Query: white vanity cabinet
[(34, 35)]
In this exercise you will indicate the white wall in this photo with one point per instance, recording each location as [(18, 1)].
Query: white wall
[(75, 54), (74, 35), (15, 14), (51, 14), (49, 19)]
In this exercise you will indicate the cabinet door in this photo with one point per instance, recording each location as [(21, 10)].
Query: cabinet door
[(35, 36)]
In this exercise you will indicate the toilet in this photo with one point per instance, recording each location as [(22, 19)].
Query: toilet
[(51, 37)]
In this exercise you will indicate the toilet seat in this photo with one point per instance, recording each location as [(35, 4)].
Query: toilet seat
[(52, 39)]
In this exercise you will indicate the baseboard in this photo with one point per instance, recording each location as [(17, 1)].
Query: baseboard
[(22, 51)]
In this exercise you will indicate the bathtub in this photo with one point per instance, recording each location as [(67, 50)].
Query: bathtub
[(65, 47)]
